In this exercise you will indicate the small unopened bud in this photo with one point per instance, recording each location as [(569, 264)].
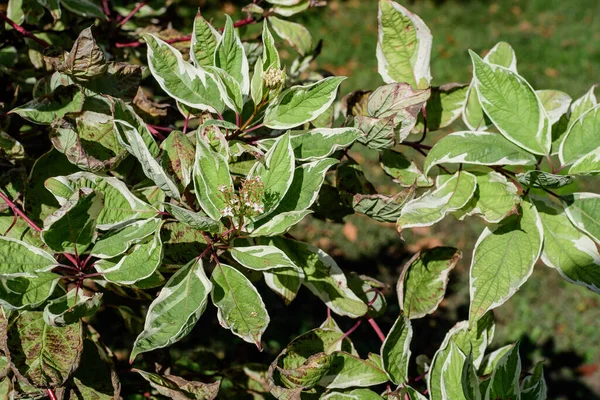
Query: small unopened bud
[(273, 77)]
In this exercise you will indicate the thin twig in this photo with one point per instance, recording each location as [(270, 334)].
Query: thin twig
[(255, 127), (132, 13), (154, 132), (106, 9), (24, 31), (51, 394), (185, 124), (376, 328), (73, 260), (345, 335), (20, 213)]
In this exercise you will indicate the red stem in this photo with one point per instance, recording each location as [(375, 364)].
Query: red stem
[(106, 8), (185, 124), (24, 31), (20, 213), (345, 335), (161, 128), (155, 133), (73, 260), (187, 38), (132, 13), (51, 394), (376, 329), (255, 127)]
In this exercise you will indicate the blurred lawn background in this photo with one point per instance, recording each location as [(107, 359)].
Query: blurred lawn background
[(556, 42)]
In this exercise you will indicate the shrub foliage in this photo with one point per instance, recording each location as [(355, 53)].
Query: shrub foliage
[(107, 208)]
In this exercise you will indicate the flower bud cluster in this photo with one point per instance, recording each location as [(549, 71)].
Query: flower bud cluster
[(274, 77), (247, 202)]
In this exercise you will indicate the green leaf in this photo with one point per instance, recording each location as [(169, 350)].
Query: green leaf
[(124, 112), (408, 391), (555, 102), (473, 116), (260, 258), (277, 173), (230, 89), (433, 206), (44, 355), (307, 375), (470, 380), (583, 210), (512, 105), (240, 307), (588, 164), (404, 171), (86, 59), (270, 56), (543, 180), (318, 143), (178, 157), (118, 241), (190, 85), (280, 223), (323, 277), (88, 141), (422, 284), (140, 263), (504, 383), (304, 189), (444, 106), (403, 46), (356, 394), (173, 314), (72, 228), (204, 42), (26, 292), (581, 137), (495, 198), (503, 260), (231, 57), (295, 34), (120, 205), (96, 377), (85, 8), (210, 173), (452, 369), (378, 133), (533, 386), (488, 364), (71, 307), (395, 351), (46, 109), (120, 80), (177, 388), (479, 148), (474, 339), (300, 104), (19, 259), (398, 101), (347, 370), (132, 140), (196, 220), (380, 207), (285, 282)]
